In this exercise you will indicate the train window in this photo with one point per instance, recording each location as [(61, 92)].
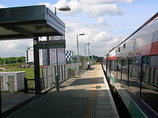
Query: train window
[(113, 66), (133, 79), (124, 70), (156, 77), (107, 62), (149, 89), (119, 49), (124, 45), (119, 63), (116, 68)]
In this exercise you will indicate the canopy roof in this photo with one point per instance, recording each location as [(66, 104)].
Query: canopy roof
[(29, 22)]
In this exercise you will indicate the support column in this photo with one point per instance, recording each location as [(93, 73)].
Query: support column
[(48, 54), (57, 71), (36, 67), (0, 99), (78, 58)]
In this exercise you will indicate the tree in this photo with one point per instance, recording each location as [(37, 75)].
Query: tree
[(9, 60)]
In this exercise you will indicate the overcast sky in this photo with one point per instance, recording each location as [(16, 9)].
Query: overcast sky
[(105, 23)]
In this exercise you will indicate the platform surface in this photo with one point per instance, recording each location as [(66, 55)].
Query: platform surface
[(87, 96), (11, 100)]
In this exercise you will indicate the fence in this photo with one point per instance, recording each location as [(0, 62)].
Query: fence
[(48, 79)]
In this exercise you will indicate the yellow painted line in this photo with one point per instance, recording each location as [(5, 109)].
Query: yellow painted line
[(90, 110)]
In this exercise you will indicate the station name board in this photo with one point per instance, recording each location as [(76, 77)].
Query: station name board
[(51, 44)]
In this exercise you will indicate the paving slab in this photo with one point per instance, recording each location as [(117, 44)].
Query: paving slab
[(86, 96), (11, 101)]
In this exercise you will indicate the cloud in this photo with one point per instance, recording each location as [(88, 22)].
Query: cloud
[(15, 44), (105, 9), (102, 36), (91, 10), (101, 41), (2, 6), (15, 48), (104, 41), (102, 21), (105, 1), (75, 6), (69, 29)]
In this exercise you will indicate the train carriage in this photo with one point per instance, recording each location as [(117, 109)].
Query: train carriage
[(132, 68)]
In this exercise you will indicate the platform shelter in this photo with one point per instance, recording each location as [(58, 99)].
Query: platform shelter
[(30, 22)]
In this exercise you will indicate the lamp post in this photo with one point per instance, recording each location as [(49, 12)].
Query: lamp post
[(78, 59), (63, 8), (88, 50), (88, 46)]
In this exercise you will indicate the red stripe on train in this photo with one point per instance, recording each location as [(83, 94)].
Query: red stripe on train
[(150, 49), (111, 58)]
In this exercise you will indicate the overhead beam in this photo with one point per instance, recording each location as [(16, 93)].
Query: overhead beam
[(19, 30), (11, 37)]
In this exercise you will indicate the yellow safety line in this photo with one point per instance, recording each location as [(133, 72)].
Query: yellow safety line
[(90, 110)]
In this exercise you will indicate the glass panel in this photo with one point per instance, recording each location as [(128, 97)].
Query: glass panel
[(116, 69), (156, 77), (112, 65), (146, 75), (124, 68), (119, 69), (152, 76), (149, 90), (133, 80)]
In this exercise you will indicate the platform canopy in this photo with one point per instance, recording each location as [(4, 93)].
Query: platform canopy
[(29, 22)]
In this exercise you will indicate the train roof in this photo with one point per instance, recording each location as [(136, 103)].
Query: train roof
[(153, 17)]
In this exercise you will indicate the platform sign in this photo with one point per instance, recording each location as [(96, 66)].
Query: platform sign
[(51, 44)]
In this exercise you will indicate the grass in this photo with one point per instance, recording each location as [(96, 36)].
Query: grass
[(29, 72), (29, 75)]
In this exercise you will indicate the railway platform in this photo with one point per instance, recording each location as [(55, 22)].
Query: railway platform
[(86, 96)]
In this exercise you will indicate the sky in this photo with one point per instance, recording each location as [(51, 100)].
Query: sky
[(105, 23)]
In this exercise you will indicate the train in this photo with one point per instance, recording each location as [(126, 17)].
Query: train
[(131, 67)]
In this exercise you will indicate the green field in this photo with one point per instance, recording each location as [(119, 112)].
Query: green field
[(29, 75), (29, 72)]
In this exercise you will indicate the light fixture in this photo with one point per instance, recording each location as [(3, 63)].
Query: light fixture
[(63, 8), (82, 34)]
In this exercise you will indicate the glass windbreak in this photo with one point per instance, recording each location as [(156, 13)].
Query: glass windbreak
[(133, 74), (149, 90)]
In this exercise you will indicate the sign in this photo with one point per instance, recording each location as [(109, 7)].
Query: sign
[(51, 44)]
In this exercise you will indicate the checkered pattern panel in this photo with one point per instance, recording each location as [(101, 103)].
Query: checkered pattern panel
[(146, 60), (68, 55)]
